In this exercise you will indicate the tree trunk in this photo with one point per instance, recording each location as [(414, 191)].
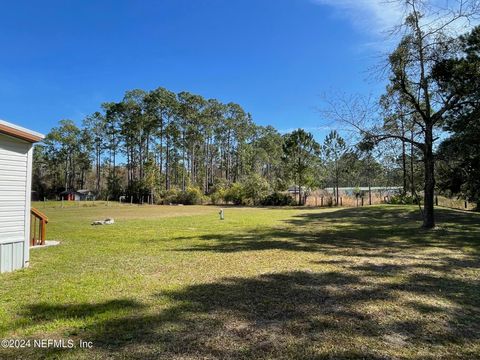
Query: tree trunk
[(167, 164), (337, 180), (412, 180), (114, 165), (184, 166), (205, 189), (98, 170), (299, 184), (369, 180), (338, 193), (428, 215), (213, 152), (404, 161), (161, 147), (66, 175)]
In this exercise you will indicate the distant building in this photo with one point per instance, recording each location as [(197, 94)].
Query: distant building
[(86, 194), (350, 191), (70, 195), (77, 195)]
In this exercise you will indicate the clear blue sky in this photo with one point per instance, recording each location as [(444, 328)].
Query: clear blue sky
[(62, 59)]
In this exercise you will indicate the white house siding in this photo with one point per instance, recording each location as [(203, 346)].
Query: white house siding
[(15, 188)]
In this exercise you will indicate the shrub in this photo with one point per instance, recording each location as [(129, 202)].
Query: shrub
[(402, 199), (249, 192), (255, 188), (235, 194), (169, 196), (217, 196), (191, 196), (278, 199), (218, 191)]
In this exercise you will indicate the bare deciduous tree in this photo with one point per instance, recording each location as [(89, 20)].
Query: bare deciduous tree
[(428, 37)]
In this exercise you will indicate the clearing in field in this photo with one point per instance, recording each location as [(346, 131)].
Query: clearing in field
[(176, 282)]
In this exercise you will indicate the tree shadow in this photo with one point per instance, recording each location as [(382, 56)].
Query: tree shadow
[(361, 229), (379, 288), (289, 315)]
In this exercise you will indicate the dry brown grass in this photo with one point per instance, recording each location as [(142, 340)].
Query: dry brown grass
[(315, 200), (454, 203)]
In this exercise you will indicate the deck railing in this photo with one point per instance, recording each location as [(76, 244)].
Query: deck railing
[(38, 231)]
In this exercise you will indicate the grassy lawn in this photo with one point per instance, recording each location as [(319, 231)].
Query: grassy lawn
[(177, 283)]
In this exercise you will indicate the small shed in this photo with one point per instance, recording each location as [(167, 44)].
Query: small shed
[(70, 195), (16, 152)]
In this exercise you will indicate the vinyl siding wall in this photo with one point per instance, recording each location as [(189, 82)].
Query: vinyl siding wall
[(15, 189)]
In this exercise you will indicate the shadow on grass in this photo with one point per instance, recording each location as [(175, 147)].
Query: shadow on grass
[(290, 315), (359, 229), (385, 297)]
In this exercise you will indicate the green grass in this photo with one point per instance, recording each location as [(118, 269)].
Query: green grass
[(174, 282)]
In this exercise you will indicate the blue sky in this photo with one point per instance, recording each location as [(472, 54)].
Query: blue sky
[(62, 59)]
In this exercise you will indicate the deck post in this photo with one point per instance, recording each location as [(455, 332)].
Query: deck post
[(44, 232), (42, 221)]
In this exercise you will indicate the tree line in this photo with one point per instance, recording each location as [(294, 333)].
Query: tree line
[(159, 146)]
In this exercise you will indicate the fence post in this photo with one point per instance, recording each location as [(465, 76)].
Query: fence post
[(341, 201), (466, 205), (362, 200), (436, 200)]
